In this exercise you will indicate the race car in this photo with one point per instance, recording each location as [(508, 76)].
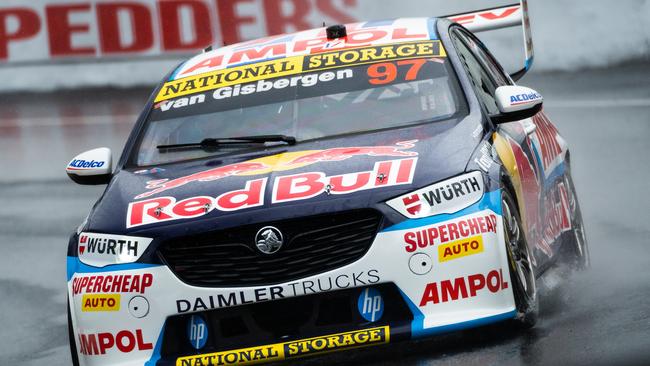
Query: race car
[(331, 189)]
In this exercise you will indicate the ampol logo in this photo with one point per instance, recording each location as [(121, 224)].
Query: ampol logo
[(197, 331), (370, 304)]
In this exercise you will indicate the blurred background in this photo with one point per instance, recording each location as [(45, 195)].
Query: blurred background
[(76, 73)]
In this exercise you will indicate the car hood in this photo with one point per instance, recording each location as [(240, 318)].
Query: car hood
[(310, 178)]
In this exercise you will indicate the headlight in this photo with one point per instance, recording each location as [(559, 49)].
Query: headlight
[(444, 197)]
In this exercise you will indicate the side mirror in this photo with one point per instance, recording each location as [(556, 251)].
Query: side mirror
[(92, 167), (516, 103)]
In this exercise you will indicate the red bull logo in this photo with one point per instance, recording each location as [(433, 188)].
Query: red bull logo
[(344, 153), (285, 188), (162, 185), (281, 162)]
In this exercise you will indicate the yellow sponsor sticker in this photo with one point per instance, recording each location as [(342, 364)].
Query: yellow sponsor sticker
[(367, 55), (460, 248), (290, 350), (100, 302), (296, 65), (230, 76)]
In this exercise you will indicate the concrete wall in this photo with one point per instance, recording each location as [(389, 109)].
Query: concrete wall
[(568, 35)]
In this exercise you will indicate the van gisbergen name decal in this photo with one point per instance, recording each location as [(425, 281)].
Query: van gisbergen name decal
[(287, 188), (297, 65), (292, 349)]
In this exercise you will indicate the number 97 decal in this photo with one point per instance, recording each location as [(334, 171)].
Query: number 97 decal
[(387, 72)]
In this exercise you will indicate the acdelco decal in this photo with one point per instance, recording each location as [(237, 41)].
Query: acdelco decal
[(524, 98), (460, 248), (100, 250), (296, 65), (79, 164), (124, 341), (444, 233), (285, 189), (103, 302), (112, 283), (463, 287), (291, 350)]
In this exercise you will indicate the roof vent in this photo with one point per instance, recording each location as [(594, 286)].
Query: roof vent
[(336, 31)]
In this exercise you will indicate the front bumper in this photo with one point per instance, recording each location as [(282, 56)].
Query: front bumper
[(436, 274)]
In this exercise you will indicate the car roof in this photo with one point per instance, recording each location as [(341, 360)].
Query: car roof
[(362, 34)]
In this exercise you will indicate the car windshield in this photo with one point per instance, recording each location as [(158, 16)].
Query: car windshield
[(347, 98)]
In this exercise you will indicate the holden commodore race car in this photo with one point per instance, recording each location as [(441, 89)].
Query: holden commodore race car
[(325, 190)]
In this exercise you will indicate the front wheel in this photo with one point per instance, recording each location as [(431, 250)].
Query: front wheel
[(520, 265), (577, 241)]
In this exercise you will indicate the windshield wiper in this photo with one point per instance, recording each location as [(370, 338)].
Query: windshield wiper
[(244, 140)]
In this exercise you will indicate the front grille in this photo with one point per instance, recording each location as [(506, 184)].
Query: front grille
[(229, 258)]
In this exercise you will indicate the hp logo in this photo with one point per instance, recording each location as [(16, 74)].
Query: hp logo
[(197, 331), (371, 304)]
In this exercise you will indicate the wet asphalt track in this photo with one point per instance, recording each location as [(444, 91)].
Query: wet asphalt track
[(598, 317)]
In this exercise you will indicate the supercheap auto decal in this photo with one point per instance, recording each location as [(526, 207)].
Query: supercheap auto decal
[(462, 262)]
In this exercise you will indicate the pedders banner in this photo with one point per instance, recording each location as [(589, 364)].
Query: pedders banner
[(46, 31)]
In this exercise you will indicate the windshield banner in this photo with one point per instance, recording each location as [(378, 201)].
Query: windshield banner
[(297, 65)]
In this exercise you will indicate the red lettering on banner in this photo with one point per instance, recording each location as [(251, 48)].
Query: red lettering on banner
[(109, 27), (28, 26), (457, 288), (60, 30), (150, 211), (278, 49), (349, 182), (286, 188), (230, 20), (125, 341), (277, 21), (170, 23), (251, 196), (191, 207), (299, 186), (205, 64), (112, 283), (441, 234), (493, 16)]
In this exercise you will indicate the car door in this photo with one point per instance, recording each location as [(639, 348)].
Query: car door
[(531, 150)]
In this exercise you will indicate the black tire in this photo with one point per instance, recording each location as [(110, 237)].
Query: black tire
[(73, 345), (577, 240), (522, 275)]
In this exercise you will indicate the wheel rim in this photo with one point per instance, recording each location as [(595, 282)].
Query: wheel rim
[(518, 253), (578, 228)]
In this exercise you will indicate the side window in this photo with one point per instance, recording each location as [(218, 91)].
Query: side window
[(479, 50), (484, 85)]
